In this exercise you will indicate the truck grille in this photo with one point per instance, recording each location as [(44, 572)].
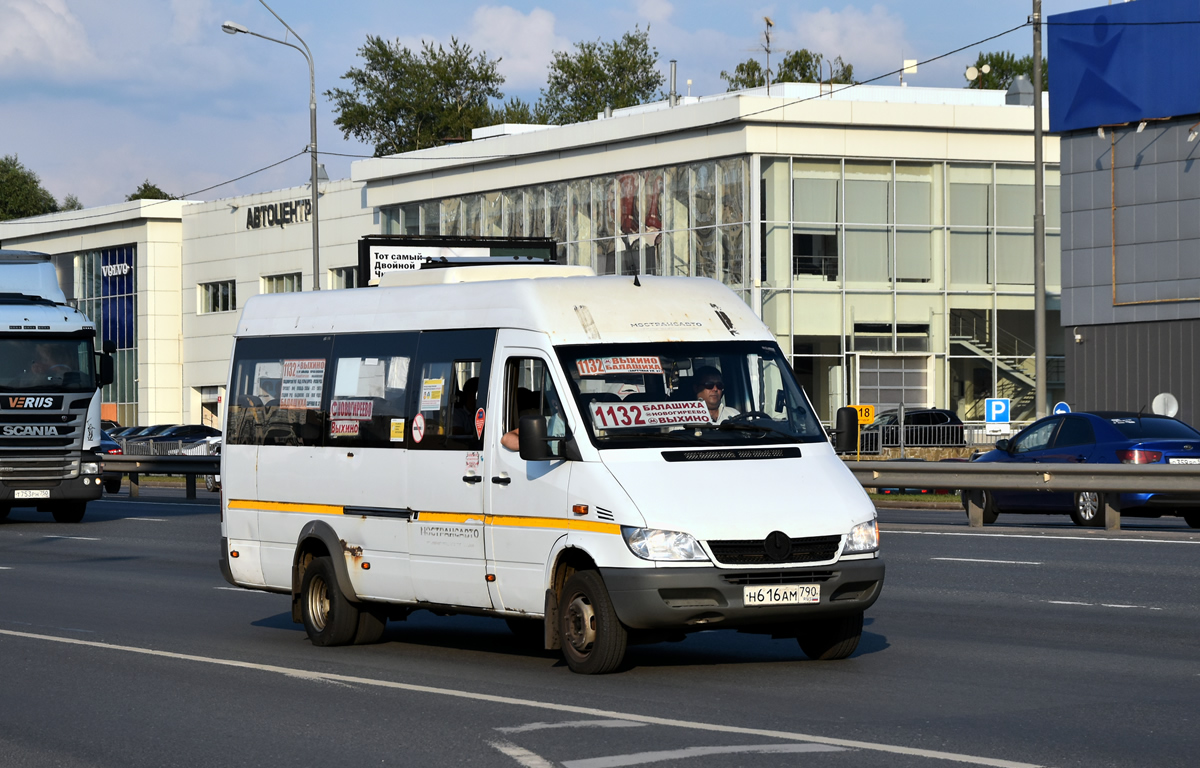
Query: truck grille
[(28, 450), (813, 549)]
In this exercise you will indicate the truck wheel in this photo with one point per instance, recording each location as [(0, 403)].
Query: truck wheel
[(594, 640), (113, 485), (69, 512), (1088, 509), (329, 618), (831, 639), (1191, 517), (4, 510)]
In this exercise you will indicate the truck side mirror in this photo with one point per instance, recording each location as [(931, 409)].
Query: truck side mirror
[(109, 346), (533, 445), (107, 374), (845, 432)]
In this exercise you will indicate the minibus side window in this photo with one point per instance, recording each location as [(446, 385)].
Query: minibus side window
[(368, 404), (449, 388), (277, 391), (529, 391)]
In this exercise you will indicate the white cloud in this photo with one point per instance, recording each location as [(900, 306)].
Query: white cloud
[(526, 42), (41, 36), (873, 41), (192, 21), (655, 11)]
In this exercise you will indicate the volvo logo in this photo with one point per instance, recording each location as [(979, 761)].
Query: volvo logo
[(778, 546)]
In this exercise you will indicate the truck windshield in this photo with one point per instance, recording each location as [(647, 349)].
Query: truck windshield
[(46, 364), (694, 393)]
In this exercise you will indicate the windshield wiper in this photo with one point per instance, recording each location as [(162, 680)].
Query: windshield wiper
[(679, 437), (742, 426)]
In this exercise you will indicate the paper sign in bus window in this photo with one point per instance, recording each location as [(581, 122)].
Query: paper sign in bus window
[(397, 430), (343, 428), (431, 394), (359, 410), (599, 366), (640, 415), (301, 384)]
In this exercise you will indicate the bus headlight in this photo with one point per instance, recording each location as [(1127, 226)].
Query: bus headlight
[(653, 544), (863, 537), (89, 468)]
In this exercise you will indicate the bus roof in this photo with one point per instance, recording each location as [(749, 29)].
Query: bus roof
[(571, 310)]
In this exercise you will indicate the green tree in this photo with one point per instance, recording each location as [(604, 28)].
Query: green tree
[(71, 203), (620, 73), (148, 191), (802, 66), (1004, 68), (21, 191), (401, 100)]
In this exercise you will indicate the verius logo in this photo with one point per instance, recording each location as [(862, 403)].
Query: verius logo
[(30, 402)]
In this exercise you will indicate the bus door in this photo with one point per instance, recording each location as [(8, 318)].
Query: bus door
[(445, 467), (527, 500)]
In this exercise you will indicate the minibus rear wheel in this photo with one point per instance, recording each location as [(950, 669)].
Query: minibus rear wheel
[(329, 618), (593, 638), (831, 639)]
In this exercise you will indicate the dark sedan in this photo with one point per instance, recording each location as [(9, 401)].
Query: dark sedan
[(109, 447), (923, 427), (1100, 437)]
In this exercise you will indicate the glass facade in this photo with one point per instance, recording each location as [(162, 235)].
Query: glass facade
[(106, 291), (884, 281)]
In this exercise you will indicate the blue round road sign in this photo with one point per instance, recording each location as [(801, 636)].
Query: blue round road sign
[(1060, 408)]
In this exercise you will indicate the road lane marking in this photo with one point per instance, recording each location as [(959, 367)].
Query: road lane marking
[(641, 758), (5, 567), (76, 538), (1042, 537), (522, 755), (571, 724), (974, 560), (305, 674), (1103, 605)]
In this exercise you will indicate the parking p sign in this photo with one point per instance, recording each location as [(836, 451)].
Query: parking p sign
[(995, 413)]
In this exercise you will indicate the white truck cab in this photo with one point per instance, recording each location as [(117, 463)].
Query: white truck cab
[(597, 460)]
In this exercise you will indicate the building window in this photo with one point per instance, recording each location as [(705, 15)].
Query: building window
[(106, 290), (289, 283), (343, 277), (218, 297)]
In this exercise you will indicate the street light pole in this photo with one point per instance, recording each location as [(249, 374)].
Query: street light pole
[(233, 29), (1039, 225)]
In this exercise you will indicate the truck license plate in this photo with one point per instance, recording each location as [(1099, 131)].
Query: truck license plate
[(31, 494), (781, 594)]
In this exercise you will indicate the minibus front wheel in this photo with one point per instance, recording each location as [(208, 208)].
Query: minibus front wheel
[(329, 618), (593, 638), (832, 638)]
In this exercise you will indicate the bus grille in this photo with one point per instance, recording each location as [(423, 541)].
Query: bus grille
[(813, 549)]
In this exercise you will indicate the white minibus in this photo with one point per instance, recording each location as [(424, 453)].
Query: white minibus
[(598, 460)]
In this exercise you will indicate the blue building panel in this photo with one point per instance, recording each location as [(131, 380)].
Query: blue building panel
[(1123, 63)]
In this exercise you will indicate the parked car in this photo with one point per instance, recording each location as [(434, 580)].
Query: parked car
[(109, 425), (140, 432), (188, 433), (123, 431), (923, 428), (1099, 437), (109, 447)]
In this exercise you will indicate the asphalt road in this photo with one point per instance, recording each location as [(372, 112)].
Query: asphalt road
[(1036, 644)]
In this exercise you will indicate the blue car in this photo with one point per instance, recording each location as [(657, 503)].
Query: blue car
[(1099, 437)]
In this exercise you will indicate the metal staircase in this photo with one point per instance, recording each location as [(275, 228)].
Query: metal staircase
[(975, 332)]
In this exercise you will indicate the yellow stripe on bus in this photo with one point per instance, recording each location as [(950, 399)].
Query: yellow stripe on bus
[(505, 521), (278, 506)]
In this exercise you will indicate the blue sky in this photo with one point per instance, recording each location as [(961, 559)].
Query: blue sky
[(97, 95)]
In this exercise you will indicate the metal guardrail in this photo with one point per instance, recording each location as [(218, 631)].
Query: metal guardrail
[(188, 466), (1108, 479)]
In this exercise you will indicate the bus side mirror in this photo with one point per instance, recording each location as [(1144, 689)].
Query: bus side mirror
[(533, 445), (107, 375), (845, 433)]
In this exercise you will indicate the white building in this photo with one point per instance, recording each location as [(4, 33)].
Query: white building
[(885, 234)]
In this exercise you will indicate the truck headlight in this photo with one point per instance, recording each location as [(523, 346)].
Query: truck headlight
[(653, 544), (863, 537), (89, 468)]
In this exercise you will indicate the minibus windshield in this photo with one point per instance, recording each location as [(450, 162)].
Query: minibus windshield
[(688, 393)]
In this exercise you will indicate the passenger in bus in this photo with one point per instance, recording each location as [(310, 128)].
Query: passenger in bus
[(710, 388)]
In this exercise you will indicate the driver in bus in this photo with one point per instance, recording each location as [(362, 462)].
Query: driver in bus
[(710, 388), (51, 362)]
